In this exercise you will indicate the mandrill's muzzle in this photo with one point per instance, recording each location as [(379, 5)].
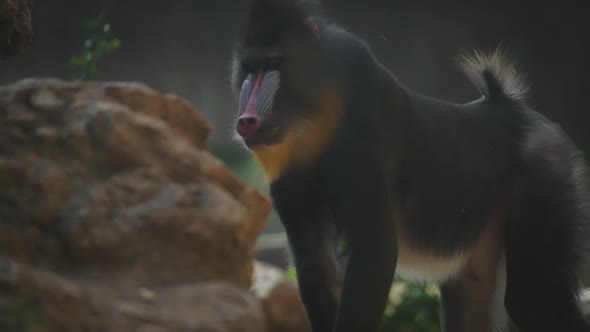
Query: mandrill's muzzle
[(256, 101)]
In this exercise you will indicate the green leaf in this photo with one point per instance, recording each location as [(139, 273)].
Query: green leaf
[(100, 50), (91, 24), (291, 273), (94, 48), (76, 61), (115, 43)]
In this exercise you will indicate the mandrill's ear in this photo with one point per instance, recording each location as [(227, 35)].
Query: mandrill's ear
[(312, 25)]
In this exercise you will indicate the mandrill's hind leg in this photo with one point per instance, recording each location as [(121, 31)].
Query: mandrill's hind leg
[(542, 256), (469, 301)]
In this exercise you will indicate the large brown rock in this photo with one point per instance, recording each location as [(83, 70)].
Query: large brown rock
[(69, 305), (15, 26), (107, 189)]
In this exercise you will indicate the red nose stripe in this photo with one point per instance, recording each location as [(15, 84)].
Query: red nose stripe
[(252, 96)]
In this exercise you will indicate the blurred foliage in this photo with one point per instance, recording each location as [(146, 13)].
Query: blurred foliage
[(95, 48), (410, 307), (291, 273), (243, 165)]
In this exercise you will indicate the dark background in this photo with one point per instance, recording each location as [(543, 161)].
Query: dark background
[(184, 47)]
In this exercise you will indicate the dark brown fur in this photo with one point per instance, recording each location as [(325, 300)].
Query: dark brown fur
[(488, 198)]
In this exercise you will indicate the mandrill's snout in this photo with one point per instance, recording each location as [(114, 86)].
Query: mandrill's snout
[(248, 125), (256, 102)]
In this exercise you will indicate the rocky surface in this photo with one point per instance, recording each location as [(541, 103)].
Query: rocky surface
[(15, 26), (55, 303), (115, 217), (280, 299)]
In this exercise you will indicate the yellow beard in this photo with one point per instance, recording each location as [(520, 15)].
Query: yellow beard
[(304, 143)]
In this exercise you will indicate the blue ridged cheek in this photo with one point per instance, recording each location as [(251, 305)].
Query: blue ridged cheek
[(268, 90), (264, 96), (245, 92)]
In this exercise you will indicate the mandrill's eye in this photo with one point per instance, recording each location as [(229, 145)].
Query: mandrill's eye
[(249, 66), (273, 62)]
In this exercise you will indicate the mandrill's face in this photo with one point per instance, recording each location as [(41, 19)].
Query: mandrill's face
[(274, 70), (289, 108), (261, 120)]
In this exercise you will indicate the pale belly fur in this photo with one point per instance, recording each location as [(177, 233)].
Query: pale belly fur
[(486, 258)]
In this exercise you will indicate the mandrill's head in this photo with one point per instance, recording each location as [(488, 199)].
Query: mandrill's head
[(288, 105)]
